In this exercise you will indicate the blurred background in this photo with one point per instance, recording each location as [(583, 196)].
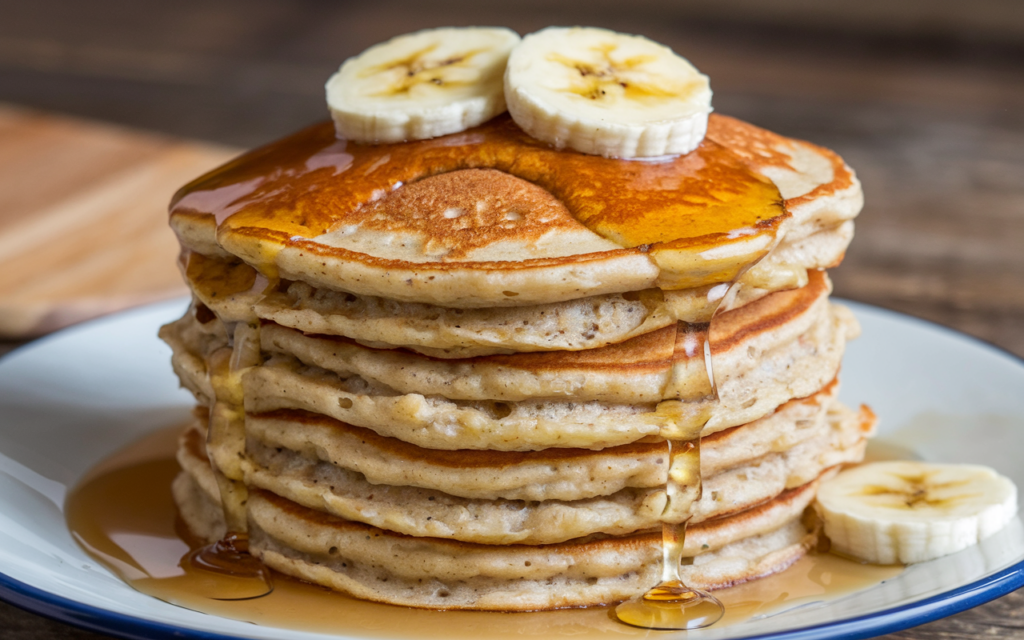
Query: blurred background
[(924, 98), (106, 106)]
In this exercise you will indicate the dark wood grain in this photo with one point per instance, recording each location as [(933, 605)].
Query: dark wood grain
[(924, 99)]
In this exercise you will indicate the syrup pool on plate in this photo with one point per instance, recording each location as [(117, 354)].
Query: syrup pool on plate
[(123, 515)]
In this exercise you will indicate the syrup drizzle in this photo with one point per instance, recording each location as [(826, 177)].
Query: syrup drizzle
[(232, 572), (675, 210), (672, 604)]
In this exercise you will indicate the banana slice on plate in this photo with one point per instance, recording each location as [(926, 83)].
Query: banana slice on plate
[(904, 512), (606, 93), (421, 85)]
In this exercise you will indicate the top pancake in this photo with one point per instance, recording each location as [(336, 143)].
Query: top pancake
[(490, 217)]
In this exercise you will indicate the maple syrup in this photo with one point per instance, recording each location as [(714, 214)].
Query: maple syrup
[(675, 209), (231, 572), (228, 570), (212, 278), (124, 516)]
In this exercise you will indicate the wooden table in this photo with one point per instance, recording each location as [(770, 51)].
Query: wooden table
[(83, 218), (928, 108)]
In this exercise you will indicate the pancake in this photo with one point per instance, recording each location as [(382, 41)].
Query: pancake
[(491, 218), (639, 370), (363, 560), (376, 565), (284, 442), (803, 366), (575, 325), (436, 423)]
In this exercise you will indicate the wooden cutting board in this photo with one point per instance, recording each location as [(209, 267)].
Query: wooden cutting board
[(83, 218)]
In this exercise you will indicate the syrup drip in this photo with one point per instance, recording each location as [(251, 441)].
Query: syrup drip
[(233, 573), (124, 516), (230, 571), (671, 604)]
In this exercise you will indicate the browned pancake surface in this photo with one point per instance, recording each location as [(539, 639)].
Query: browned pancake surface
[(311, 183)]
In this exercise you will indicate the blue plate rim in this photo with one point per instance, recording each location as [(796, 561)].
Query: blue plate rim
[(947, 603), (961, 598)]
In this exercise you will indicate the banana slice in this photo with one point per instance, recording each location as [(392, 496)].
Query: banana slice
[(421, 85), (606, 93), (890, 512)]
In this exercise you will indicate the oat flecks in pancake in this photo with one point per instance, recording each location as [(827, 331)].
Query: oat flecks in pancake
[(586, 323), (294, 540), (411, 570), (804, 349), (436, 512), (738, 480)]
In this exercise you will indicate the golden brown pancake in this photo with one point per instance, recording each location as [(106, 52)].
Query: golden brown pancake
[(551, 226)]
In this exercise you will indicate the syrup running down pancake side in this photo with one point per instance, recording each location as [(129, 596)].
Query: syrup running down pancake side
[(699, 220)]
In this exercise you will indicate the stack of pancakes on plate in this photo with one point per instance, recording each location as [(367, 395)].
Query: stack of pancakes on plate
[(423, 380)]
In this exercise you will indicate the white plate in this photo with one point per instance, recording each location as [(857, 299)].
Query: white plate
[(71, 399)]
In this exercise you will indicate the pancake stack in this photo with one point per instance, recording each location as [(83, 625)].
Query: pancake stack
[(442, 373)]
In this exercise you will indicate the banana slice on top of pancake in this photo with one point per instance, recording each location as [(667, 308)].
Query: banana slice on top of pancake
[(889, 512), (421, 85), (606, 93)]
